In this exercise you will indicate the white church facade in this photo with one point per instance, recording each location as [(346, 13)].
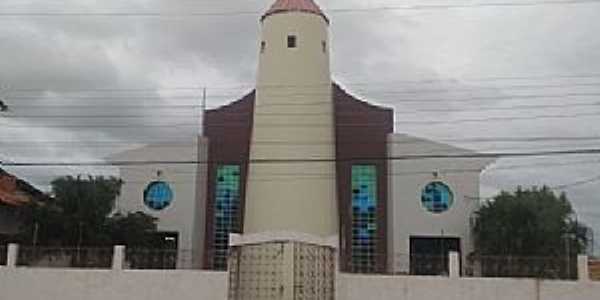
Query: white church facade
[(299, 154)]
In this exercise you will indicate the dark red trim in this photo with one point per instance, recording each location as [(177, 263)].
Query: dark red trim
[(355, 142), (227, 145)]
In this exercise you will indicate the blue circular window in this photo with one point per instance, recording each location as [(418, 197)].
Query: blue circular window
[(437, 197), (158, 195)]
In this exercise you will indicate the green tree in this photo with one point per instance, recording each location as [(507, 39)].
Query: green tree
[(81, 215), (529, 222)]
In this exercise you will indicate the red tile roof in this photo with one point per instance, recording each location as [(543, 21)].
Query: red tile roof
[(307, 6), (17, 192), (9, 193)]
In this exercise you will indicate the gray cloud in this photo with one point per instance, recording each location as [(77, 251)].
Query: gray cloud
[(382, 56)]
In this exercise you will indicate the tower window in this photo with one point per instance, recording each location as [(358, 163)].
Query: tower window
[(292, 41), (324, 45), (263, 46)]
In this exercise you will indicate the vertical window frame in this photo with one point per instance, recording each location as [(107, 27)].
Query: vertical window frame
[(226, 213), (364, 183)]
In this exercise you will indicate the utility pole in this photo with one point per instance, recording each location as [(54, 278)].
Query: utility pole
[(203, 112), (568, 254)]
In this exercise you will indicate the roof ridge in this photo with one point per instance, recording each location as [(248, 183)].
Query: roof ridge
[(283, 6)]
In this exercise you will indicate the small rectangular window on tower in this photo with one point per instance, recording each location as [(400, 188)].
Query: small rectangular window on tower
[(291, 41), (263, 46)]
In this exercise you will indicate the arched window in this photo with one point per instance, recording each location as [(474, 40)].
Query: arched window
[(437, 197)]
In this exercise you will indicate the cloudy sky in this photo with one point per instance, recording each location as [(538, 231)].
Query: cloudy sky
[(502, 77)]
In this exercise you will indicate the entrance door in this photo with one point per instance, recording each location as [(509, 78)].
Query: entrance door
[(429, 255)]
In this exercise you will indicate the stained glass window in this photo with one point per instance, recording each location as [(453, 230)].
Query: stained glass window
[(437, 197), (227, 205), (364, 222), (158, 195)]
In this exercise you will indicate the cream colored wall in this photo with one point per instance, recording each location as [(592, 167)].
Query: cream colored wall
[(407, 217), (185, 213), (293, 120)]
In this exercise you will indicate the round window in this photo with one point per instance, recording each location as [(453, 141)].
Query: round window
[(437, 197), (158, 195)]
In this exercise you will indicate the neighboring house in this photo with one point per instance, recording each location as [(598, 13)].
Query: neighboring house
[(14, 194)]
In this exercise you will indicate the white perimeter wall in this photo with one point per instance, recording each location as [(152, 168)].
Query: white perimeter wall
[(60, 284), (48, 284), (359, 287)]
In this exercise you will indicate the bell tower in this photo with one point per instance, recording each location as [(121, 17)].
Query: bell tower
[(287, 248), (292, 184)]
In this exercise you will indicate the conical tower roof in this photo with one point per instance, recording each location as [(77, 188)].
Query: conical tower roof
[(284, 6)]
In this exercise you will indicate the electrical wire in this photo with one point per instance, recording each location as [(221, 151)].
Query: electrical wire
[(329, 11), (408, 141), (145, 114), (491, 156)]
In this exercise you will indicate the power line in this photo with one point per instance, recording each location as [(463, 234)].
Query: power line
[(478, 79), (441, 171), (310, 124), (331, 11), (557, 188), (297, 125), (180, 143), (576, 183), (432, 122), (104, 126), (145, 114), (91, 93), (313, 176), (499, 119), (132, 106), (150, 102), (249, 86), (315, 160)]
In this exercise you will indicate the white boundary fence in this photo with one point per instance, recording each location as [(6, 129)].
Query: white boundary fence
[(119, 283), (119, 255)]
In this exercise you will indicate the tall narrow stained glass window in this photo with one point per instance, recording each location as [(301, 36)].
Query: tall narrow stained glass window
[(364, 222), (227, 206)]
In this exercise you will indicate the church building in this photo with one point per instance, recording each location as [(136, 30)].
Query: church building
[(299, 153)]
